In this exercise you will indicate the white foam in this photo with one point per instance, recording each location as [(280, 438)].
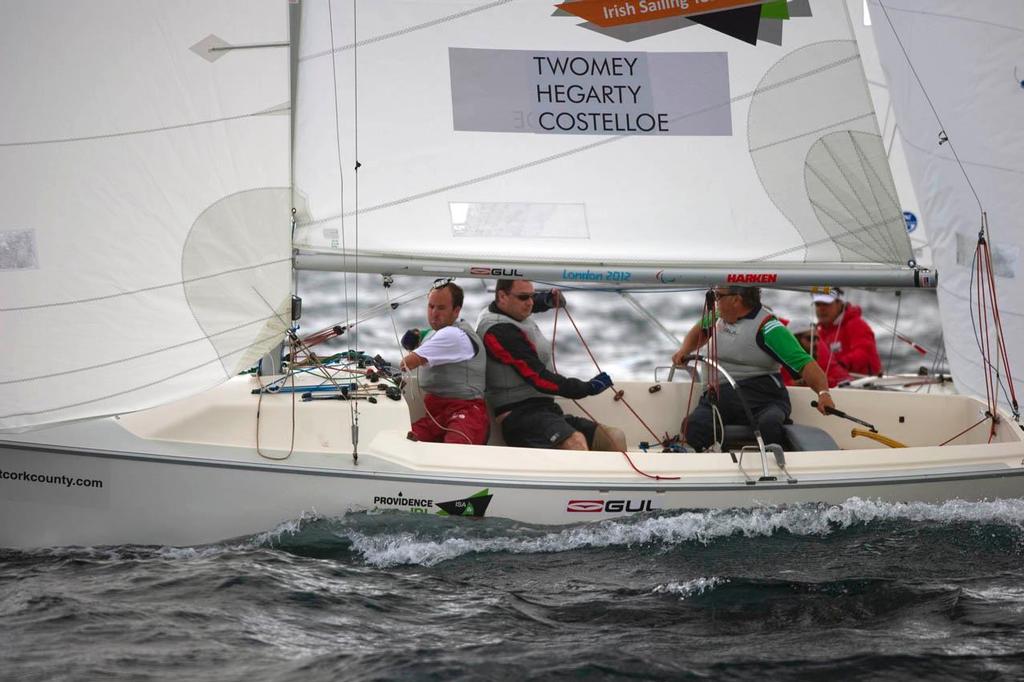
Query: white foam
[(689, 588), (290, 527), (703, 527)]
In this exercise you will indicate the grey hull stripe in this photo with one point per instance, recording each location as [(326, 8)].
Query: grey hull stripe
[(602, 485)]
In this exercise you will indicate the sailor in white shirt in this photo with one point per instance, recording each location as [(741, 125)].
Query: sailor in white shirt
[(450, 363)]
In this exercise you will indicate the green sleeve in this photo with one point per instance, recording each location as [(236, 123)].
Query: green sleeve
[(780, 343)]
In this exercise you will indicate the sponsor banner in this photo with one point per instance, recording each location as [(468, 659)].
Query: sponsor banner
[(752, 278), (608, 13), (590, 93), (473, 506)]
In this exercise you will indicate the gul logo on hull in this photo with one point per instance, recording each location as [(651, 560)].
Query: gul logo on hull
[(614, 506)]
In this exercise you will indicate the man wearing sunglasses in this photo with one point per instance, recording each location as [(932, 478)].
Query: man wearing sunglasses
[(521, 382), (451, 368), (753, 346)]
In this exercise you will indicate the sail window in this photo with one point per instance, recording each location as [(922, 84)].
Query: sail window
[(1005, 259), (18, 250), (519, 219)]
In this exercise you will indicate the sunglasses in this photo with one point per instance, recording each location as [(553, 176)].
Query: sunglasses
[(719, 297), (522, 297), (441, 282)]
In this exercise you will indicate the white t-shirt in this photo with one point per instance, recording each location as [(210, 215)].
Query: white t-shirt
[(444, 346)]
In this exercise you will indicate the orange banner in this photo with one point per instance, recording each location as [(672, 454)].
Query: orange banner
[(607, 13)]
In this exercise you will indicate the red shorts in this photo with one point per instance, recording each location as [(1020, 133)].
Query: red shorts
[(453, 420)]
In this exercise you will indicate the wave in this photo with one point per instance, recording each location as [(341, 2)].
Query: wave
[(394, 539), (388, 539)]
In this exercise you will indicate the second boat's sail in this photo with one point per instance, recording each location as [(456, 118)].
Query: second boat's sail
[(144, 242)]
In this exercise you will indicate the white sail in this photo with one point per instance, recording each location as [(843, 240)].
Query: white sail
[(144, 242), (891, 136), (957, 70), (510, 131)]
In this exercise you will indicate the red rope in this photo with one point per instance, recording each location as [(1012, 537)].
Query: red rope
[(982, 421), (554, 333), (986, 300), (1000, 337), (622, 398), (983, 318)]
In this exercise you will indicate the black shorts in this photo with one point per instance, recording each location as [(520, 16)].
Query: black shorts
[(543, 425)]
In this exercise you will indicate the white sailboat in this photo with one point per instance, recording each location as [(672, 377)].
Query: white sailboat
[(156, 153)]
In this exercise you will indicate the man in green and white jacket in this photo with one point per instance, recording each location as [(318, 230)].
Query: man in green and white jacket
[(753, 345)]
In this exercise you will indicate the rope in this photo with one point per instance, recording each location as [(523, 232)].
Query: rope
[(622, 399), (353, 409), (895, 324), (1001, 338), (706, 313), (259, 407), (983, 277), (981, 421)]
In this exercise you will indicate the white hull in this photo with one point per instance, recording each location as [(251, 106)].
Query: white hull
[(189, 473)]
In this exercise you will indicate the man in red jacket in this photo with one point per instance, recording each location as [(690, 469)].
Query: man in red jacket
[(846, 344)]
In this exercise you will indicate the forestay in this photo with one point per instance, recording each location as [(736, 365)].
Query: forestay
[(957, 70), (144, 250), (515, 132)]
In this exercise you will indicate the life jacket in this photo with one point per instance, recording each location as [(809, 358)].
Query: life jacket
[(465, 380), (504, 384), (738, 351)]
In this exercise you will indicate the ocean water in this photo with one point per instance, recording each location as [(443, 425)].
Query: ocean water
[(861, 591), (858, 591), (623, 341)]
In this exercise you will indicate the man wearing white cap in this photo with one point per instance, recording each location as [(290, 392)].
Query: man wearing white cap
[(846, 344)]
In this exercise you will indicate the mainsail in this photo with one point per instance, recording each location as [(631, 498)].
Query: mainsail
[(517, 132), (144, 175), (956, 76)]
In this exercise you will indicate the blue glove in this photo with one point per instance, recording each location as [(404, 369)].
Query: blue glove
[(599, 383), (411, 339)]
